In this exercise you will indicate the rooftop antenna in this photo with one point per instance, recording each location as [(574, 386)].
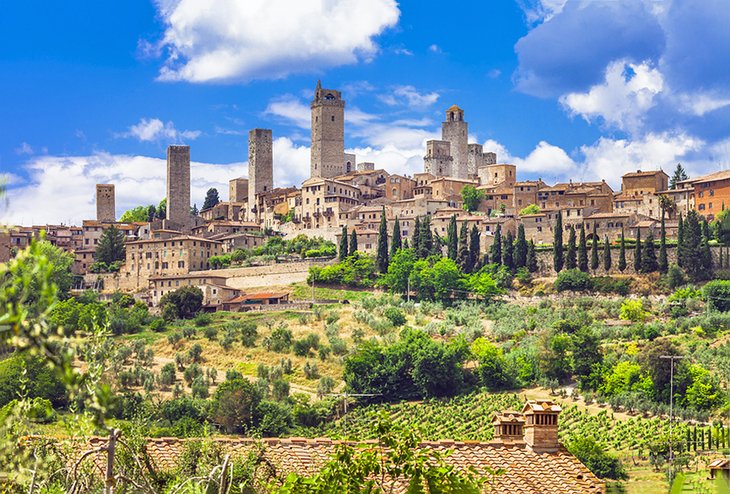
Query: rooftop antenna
[(346, 395)]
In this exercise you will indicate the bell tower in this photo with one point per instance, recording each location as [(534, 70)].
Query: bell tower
[(328, 133)]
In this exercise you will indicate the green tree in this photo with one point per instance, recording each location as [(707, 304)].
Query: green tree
[(705, 251), (59, 265), (447, 279), (582, 250), (494, 372), (622, 253), (474, 247), (353, 242), (396, 241), (234, 403), (680, 241), (606, 254), (520, 251), (343, 243), (483, 284), (637, 251), (648, 256), (399, 270), (187, 301), (496, 250), (416, 238), (587, 358), (194, 210), (663, 263), (530, 209), (425, 238), (135, 214), (693, 260), (211, 198), (111, 246), (678, 176), (471, 197), (594, 248), (596, 459), (161, 212), (570, 254), (452, 239), (508, 251), (382, 254), (531, 257), (151, 213), (463, 258), (558, 244)]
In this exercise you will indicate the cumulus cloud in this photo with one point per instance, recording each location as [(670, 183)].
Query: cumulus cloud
[(622, 99), (24, 149), (290, 108), (154, 129), (228, 40), (410, 97)]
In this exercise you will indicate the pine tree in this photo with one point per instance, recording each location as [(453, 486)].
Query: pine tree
[(382, 255), (558, 244), (426, 238), (416, 239), (343, 243), (531, 257), (678, 176), (570, 255), (622, 253), (594, 248), (520, 252), (111, 246), (680, 242), (496, 250), (452, 239), (396, 242), (475, 247), (663, 264), (583, 250), (463, 258), (637, 251), (211, 198), (195, 211), (606, 254), (353, 242), (648, 255), (508, 251)]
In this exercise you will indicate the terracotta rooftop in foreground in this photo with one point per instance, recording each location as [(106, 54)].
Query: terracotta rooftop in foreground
[(526, 472)]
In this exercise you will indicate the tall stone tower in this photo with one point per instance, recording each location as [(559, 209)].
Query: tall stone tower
[(105, 208), (178, 185), (260, 167), (456, 131), (328, 133), (438, 160), (237, 189)]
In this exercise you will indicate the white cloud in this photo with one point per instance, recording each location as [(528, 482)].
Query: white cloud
[(622, 100), (403, 51), (541, 10), (291, 108), (700, 103), (410, 97), (291, 162), (24, 148), (153, 129), (228, 40), (435, 48)]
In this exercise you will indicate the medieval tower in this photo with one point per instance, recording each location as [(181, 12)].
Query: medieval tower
[(260, 168), (328, 133), (178, 185), (105, 208), (456, 131)]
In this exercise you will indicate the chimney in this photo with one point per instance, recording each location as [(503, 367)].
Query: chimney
[(509, 427), (541, 425)]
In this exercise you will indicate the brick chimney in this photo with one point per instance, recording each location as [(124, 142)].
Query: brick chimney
[(541, 425), (509, 427)]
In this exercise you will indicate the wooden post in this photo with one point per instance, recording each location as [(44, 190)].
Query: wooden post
[(110, 482)]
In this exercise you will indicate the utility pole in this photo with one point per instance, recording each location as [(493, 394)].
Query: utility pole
[(408, 290), (346, 395), (671, 359)]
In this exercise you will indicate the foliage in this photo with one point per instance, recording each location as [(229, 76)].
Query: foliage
[(356, 270), (381, 259), (633, 310), (186, 301), (574, 280), (530, 209), (399, 270), (593, 456), (558, 244), (717, 294), (471, 197), (679, 175), (233, 404), (110, 248), (211, 198)]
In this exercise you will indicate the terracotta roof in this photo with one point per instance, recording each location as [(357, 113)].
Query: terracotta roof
[(525, 472), (608, 215), (244, 297), (712, 177), (639, 173), (454, 108), (170, 239)]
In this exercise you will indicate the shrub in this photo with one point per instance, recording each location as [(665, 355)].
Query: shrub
[(608, 284), (633, 310), (325, 386), (280, 340), (167, 375), (310, 370), (717, 294), (203, 319), (32, 372), (396, 316), (305, 345), (192, 372), (249, 333), (602, 464), (573, 280), (233, 404), (675, 277), (195, 353), (186, 301)]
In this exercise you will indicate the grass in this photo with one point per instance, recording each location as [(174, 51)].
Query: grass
[(302, 291)]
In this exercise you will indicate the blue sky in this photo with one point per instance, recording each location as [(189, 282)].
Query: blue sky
[(94, 92)]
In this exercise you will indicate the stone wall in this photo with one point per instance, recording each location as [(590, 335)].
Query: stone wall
[(178, 185)]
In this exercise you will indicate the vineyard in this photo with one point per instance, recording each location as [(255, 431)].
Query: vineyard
[(469, 417)]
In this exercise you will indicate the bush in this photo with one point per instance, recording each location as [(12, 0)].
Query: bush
[(211, 332), (39, 381), (279, 341), (158, 325), (233, 404), (573, 280), (203, 319), (305, 345), (186, 301), (717, 295), (675, 277), (608, 284), (633, 310), (249, 333), (395, 316)]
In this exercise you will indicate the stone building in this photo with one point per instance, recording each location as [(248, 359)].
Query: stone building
[(711, 193), (525, 193), (328, 133), (438, 160), (456, 131), (238, 189), (326, 202), (399, 187), (105, 206), (497, 174), (640, 183), (178, 186), (214, 288), (260, 170)]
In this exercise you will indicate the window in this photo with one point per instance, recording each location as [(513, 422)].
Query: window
[(701, 207), (333, 118)]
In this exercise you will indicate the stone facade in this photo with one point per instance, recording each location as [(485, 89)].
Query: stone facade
[(178, 185), (456, 131), (326, 202), (260, 169), (640, 183), (351, 163), (238, 189), (105, 206), (328, 133), (438, 160), (399, 187), (475, 159), (493, 174)]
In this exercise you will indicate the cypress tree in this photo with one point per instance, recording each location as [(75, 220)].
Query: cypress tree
[(705, 248), (436, 246), (353, 242), (531, 257), (692, 247), (606, 254), (622, 253), (570, 257), (496, 251), (426, 238), (474, 247), (416, 242), (452, 240), (396, 241), (405, 243), (507, 251), (637, 251), (382, 256), (463, 259), (663, 264), (648, 256), (680, 242), (594, 248), (558, 244), (583, 250), (520, 253), (343, 243)]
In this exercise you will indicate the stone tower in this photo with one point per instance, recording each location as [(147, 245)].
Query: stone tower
[(260, 167), (456, 131), (105, 208), (474, 160), (237, 190), (438, 160), (328, 133), (178, 185)]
